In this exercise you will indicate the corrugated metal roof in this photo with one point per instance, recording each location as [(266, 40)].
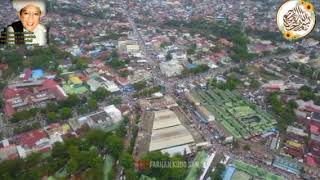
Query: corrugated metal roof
[(170, 137), (165, 118)]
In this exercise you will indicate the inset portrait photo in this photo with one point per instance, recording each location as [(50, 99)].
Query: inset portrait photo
[(28, 29)]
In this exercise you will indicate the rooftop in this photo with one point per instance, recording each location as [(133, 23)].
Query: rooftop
[(75, 80), (170, 137), (30, 139), (316, 116), (296, 131), (165, 118)]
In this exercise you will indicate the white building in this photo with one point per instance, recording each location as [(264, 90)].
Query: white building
[(106, 119), (171, 68), (113, 112), (168, 132), (97, 82), (133, 48)]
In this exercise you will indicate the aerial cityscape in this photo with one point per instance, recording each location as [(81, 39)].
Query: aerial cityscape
[(161, 89)]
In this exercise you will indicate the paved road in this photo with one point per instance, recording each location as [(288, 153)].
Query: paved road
[(170, 85)]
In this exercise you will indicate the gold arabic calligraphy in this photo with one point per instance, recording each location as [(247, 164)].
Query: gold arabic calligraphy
[(296, 20)]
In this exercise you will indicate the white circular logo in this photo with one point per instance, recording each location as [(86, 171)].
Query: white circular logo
[(296, 19)]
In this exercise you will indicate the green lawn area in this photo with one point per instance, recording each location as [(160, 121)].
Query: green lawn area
[(107, 167), (240, 175), (243, 111), (197, 165), (239, 117), (61, 174), (255, 171)]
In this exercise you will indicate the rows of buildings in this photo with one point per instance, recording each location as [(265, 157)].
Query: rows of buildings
[(40, 140)]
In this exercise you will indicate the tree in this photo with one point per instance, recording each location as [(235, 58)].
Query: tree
[(65, 113), (168, 56), (32, 160), (10, 169), (114, 54), (83, 109), (96, 137), (199, 69), (22, 115), (121, 131), (51, 107), (52, 117), (285, 112), (26, 128), (179, 172), (306, 93), (72, 101), (72, 166), (1, 103), (116, 63), (232, 83), (273, 99), (139, 85), (131, 174), (75, 154), (94, 159), (93, 104), (3, 84), (124, 73), (116, 100), (114, 145), (246, 147), (100, 94), (217, 174), (254, 84), (80, 63), (192, 49), (126, 160), (59, 150)]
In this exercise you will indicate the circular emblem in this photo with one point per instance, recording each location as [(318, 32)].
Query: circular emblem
[(296, 19)]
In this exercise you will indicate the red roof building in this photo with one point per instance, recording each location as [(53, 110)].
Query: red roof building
[(30, 139), (298, 153), (311, 160), (31, 96), (314, 129)]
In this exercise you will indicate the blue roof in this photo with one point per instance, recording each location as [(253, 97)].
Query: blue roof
[(202, 119), (191, 66), (288, 165), (229, 173), (37, 73)]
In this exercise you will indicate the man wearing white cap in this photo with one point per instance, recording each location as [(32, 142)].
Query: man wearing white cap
[(28, 30)]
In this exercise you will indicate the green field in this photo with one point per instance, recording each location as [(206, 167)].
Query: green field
[(196, 165), (255, 171), (240, 117), (241, 175), (107, 167)]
